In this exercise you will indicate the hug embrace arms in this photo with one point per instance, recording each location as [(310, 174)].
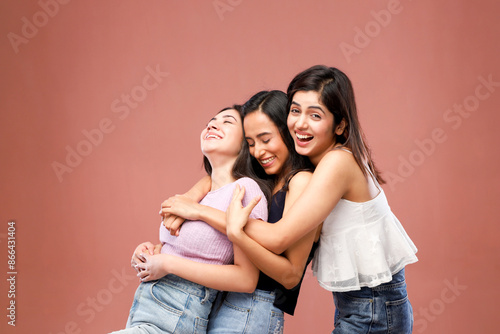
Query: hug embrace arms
[(321, 177), (273, 157), (363, 247)]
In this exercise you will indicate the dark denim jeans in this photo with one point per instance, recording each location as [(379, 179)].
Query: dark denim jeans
[(381, 309)]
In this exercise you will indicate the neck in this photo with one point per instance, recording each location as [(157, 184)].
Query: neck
[(280, 179), (278, 186), (222, 173), (316, 159)]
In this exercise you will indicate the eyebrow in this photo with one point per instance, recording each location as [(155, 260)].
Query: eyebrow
[(226, 116), (310, 107), (260, 135), (263, 134)]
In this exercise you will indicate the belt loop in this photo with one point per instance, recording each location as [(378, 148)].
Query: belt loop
[(207, 295)]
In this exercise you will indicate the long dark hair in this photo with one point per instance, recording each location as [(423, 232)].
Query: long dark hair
[(242, 167), (336, 93), (274, 105)]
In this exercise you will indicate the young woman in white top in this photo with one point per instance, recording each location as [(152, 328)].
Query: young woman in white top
[(363, 247)]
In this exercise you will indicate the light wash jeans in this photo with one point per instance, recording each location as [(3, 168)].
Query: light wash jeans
[(252, 313), (170, 305), (381, 309)]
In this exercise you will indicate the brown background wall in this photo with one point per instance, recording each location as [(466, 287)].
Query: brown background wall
[(91, 142)]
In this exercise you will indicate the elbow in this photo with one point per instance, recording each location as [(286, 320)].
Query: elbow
[(292, 277), (248, 290), (279, 245), (281, 241), (250, 282), (291, 280), (248, 285), (290, 286)]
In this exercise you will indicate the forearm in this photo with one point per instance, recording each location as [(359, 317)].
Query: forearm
[(219, 277), (200, 189), (268, 235), (278, 267), (326, 187), (213, 217)]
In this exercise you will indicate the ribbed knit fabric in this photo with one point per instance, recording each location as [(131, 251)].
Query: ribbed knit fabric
[(199, 241)]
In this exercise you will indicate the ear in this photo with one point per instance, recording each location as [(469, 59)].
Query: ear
[(339, 130)]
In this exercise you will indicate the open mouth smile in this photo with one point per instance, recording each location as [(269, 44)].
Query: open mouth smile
[(267, 162), (303, 138), (212, 135)]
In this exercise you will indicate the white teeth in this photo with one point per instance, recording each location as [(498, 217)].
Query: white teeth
[(266, 161), (212, 136), (302, 137)]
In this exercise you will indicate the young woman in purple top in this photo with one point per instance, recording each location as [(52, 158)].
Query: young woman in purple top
[(180, 284), (273, 156)]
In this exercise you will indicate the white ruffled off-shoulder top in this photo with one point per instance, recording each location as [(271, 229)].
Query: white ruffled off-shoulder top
[(361, 245)]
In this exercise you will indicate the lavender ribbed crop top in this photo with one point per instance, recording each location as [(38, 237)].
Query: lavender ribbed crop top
[(200, 242)]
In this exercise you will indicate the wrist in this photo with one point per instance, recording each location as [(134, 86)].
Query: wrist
[(191, 196), (167, 264), (235, 234), (201, 212)]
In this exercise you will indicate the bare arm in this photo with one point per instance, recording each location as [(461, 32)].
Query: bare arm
[(242, 276), (287, 269), (200, 189), (186, 208), (328, 184), (172, 221)]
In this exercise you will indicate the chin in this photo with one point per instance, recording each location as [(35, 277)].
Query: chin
[(271, 171), (302, 150)]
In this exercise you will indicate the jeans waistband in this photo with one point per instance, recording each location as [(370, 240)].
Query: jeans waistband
[(264, 295), (398, 279), (190, 287)]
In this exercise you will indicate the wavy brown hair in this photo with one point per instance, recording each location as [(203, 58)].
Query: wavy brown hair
[(274, 105), (337, 95)]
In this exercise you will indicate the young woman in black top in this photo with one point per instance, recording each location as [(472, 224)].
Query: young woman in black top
[(273, 155)]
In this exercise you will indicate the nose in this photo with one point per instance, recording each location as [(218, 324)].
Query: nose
[(259, 150), (212, 125), (301, 122)]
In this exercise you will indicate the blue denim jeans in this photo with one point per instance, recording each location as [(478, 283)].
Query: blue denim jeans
[(252, 313), (381, 309), (170, 305)]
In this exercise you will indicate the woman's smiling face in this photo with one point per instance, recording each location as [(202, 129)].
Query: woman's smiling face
[(311, 125), (265, 142), (223, 134)]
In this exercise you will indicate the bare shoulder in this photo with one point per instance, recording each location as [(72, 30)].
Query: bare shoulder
[(338, 158), (300, 180), (336, 164)]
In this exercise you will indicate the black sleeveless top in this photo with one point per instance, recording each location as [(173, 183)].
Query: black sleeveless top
[(285, 299)]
